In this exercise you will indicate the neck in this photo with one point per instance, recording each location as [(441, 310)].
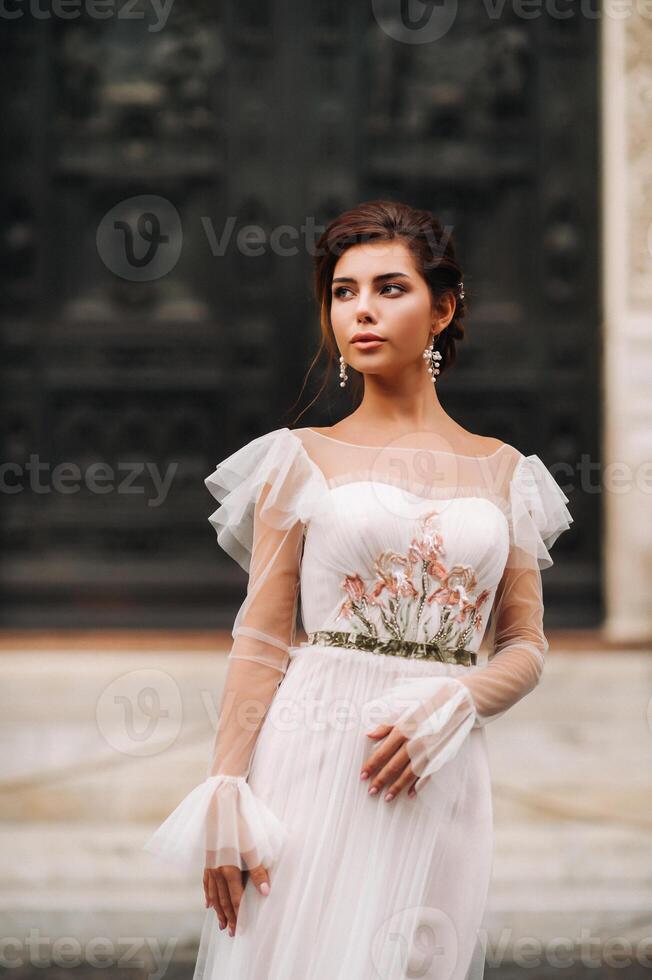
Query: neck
[(401, 407)]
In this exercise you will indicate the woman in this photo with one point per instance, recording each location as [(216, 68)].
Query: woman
[(364, 817)]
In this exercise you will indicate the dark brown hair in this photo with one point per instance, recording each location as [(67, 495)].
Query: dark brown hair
[(433, 253)]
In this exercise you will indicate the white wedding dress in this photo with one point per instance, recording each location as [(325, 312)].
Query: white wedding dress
[(403, 557)]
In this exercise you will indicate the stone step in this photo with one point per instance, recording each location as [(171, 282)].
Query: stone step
[(98, 747)]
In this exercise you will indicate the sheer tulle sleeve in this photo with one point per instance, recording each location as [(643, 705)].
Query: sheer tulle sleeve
[(537, 516), (265, 491), (438, 712)]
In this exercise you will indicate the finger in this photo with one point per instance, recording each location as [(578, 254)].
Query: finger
[(393, 738), (207, 888), (391, 771), (260, 878), (406, 778), (225, 902), (384, 753), (233, 877), (380, 732), (214, 898)]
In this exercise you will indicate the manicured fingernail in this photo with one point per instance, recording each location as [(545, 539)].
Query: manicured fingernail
[(390, 796), (364, 775), (373, 790), (231, 931), (264, 888)]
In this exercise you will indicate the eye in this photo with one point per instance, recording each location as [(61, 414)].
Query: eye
[(340, 290)]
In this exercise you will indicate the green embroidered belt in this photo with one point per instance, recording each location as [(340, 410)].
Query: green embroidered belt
[(410, 649)]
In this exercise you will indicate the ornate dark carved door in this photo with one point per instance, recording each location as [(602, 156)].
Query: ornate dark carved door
[(126, 382)]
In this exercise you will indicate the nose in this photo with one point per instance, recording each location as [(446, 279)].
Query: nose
[(364, 312), (363, 317)]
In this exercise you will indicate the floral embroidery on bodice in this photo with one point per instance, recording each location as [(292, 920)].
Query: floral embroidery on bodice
[(405, 583)]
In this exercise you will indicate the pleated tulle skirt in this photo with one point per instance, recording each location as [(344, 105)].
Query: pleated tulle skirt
[(364, 889)]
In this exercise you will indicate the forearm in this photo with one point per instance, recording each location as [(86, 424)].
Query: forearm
[(249, 690), (508, 676)]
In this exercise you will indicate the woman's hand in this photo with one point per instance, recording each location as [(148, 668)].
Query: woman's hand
[(390, 763), (223, 888)]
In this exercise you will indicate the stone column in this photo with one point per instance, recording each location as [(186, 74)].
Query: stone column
[(627, 301)]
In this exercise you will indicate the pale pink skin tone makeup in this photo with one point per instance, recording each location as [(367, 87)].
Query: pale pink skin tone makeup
[(377, 288)]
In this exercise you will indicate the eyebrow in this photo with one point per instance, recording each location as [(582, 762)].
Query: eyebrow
[(381, 278)]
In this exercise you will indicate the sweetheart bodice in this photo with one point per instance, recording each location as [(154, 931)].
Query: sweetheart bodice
[(380, 560)]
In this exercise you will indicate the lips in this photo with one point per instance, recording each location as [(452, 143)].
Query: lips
[(365, 337)]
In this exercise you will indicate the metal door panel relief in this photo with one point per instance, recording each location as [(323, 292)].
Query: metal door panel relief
[(268, 114)]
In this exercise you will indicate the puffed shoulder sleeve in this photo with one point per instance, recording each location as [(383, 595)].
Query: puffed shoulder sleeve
[(537, 513), (276, 461)]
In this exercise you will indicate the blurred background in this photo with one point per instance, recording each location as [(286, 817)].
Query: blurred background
[(167, 169)]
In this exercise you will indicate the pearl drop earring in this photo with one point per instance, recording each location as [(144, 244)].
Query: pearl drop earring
[(434, 356), (343, 375)]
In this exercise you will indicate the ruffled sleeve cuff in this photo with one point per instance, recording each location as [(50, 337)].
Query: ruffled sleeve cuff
[(537, 510), (435, 714), (221, 821)]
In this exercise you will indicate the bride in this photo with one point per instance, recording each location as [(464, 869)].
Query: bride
[(344, 828)]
